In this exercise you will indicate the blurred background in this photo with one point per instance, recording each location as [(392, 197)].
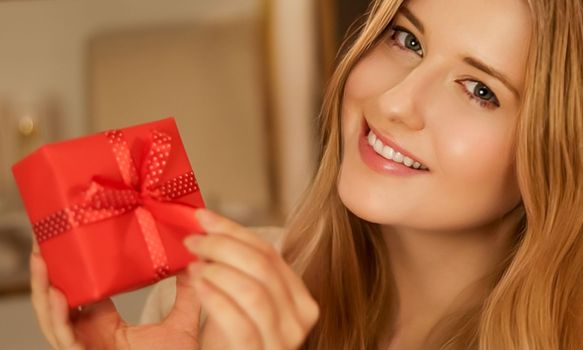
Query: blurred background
[(244, 80)]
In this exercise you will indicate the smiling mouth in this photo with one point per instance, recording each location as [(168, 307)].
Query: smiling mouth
[(387, 150)]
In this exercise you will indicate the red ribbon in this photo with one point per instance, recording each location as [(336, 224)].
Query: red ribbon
[(146, 196)]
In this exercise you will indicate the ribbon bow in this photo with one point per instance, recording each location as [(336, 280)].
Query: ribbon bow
[(146, 196)]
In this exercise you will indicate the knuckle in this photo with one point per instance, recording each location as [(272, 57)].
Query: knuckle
[(257, 298), (271, 255), (312, 312), (262, 267), (295, 336), (266, 248), (248, 335)]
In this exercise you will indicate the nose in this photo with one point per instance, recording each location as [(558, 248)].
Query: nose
[(402, 102)]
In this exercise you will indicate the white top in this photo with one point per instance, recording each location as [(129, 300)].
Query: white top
[(161, 299)]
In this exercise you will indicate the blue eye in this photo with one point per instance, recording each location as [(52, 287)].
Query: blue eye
[(404, 39)]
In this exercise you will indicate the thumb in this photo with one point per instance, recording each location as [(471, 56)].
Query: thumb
[(100, 314), (185, 314), (96, 323), (92, 327)]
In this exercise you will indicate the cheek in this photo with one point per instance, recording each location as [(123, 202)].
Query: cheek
[(367, 80), (477, 161), (371, 76)]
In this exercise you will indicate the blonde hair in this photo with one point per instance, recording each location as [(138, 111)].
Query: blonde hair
[(534, 300)]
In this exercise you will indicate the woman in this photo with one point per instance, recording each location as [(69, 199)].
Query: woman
[(446, 212)]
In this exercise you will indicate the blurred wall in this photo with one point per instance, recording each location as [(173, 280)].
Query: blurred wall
[(44, 43)]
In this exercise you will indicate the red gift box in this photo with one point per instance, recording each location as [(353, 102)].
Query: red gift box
[(110, 210)]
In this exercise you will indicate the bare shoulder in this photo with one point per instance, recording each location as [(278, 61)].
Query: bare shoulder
[(161, 298)]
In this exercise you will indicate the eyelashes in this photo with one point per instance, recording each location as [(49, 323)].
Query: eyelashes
[(478, 86), (411, 43), (395, 30)]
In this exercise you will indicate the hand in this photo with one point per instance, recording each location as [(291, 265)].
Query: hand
[(253, 299), (99, 326)]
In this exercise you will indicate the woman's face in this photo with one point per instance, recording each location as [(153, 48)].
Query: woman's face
[(416, 89)]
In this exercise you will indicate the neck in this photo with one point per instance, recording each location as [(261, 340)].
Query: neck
[(435, 272)]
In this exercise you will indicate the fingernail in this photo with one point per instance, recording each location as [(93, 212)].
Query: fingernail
[(192, 241), (204, 216)]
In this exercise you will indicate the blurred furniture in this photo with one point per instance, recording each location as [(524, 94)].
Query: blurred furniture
[(15, 243), (25, 127)]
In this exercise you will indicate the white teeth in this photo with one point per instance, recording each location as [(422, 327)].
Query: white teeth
[(389, 153), (371, 138), (378, 146), (407, 161), (398, 157)]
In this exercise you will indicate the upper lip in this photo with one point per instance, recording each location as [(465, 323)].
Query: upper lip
[(389, 142)]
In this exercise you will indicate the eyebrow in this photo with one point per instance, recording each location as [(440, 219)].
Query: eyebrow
[(412, 18), (491, 71), (474, 62)]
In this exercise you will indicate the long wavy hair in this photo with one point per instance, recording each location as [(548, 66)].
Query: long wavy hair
[(534, 300)]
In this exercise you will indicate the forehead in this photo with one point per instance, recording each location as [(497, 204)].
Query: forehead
[(496, 32)]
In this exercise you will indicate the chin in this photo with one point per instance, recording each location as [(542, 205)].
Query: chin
[(365, 206)]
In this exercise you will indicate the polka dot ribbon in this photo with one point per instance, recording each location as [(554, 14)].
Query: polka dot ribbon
[(104, 201)]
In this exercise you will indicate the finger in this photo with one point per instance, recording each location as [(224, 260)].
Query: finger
[(238, 255), (39, 285), (54, 316), (62, 328), (232, 321), (35, 247), (258, 304), (217, 225), (185, 314), (214, 223), (96, 324), (102, 316), (302, 298)]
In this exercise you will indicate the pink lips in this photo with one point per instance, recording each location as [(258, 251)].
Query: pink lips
[(386, 141), (380, 164)]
